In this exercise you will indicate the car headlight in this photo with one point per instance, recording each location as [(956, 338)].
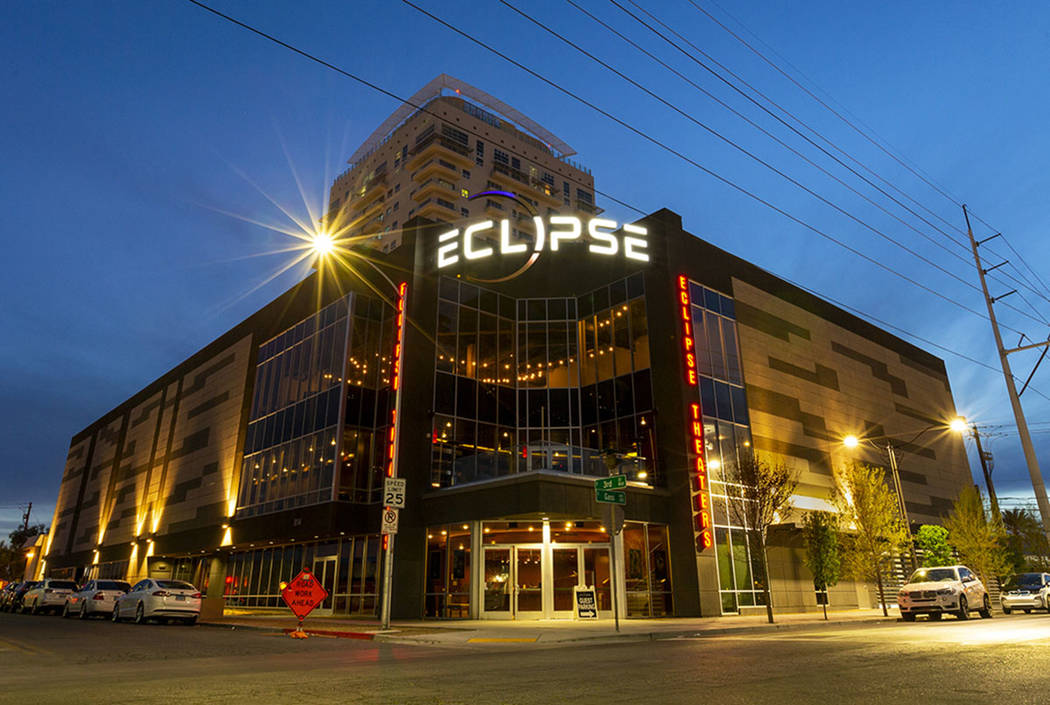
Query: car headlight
[(946, 591)]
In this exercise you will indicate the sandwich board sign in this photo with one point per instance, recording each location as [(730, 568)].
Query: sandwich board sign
[(585, 602)]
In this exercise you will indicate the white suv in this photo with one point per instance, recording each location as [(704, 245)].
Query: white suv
[(935, 591), (1026, 591)]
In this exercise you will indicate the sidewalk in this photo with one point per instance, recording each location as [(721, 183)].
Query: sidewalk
[(463, 632)]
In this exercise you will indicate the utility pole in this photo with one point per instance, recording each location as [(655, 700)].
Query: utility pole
[(899, 489), (987, 474), (25, 518), (1015, 400)]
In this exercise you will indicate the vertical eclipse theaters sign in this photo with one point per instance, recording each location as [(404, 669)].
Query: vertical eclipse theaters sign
[(703, 533)]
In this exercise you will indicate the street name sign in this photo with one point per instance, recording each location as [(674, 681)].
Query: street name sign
[(303, 594), (611, 497), (389, 524), (394, 492), (615, 482)]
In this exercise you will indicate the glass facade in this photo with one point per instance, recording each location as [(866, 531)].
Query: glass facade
[(647, 570), (541, 384), (347, 567), (333, 362), (448, 571), (726, 435)]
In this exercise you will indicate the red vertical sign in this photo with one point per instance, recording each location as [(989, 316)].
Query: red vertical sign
[(395, 385), (703, 532)]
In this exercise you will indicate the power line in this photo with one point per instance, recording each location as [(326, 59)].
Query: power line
[(797, 119), (916, 170), (710, 172), (623, 203), (744, 151)]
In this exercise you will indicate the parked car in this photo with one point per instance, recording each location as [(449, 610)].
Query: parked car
[(95, 597), (943, 589), (1026, 591), (7, 594), (48, 594), (159, 599), (13, 603)]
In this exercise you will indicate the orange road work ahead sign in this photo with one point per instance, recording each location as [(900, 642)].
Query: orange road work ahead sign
[(303, 594)]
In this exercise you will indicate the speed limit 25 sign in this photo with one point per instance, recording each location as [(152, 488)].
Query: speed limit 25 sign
[(394, 492)]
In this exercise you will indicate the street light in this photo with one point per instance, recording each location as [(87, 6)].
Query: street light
[(957, 425)]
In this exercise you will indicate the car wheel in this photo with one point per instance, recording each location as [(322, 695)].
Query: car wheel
[(140, 615), (65, 611), (908, 616), (964, 609), (191, 621), (936, 616), (116, 614), (1006, 610), (33, 609), (986, 608), (83, 611)]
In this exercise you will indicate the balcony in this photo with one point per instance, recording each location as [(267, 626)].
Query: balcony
[(433, 209), (438, 146), (435, 187), (521, 183), (436, 167)]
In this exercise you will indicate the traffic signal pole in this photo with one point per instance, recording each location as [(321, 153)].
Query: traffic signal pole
[(1015, 400)]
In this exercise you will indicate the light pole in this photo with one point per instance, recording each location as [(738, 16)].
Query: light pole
[(324, 245), (886, 443)]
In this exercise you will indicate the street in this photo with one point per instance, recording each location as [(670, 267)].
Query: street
[(51, 660)]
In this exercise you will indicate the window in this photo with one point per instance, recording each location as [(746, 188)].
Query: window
[(479, 149), (515, 163), (500, 156), (584, 196), (548, 179)]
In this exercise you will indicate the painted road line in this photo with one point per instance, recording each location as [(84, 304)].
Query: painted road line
[(499, 640)]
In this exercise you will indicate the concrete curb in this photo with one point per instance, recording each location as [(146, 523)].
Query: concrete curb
[(399, 636), (664, 635)]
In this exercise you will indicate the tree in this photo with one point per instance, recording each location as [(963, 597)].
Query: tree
[(1026, 545), (12, 557), (765, 497), (869, 509), (820, 532), (981, 542), (933, 540)]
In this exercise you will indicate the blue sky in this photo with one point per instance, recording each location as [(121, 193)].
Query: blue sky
[(129, 126)]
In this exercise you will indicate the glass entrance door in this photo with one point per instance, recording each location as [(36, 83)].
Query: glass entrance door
[(566, 574), (528, 582), (324, 572), (499, 586), (525, 581)]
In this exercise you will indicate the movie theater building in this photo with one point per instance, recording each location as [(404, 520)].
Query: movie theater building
[(545, 346)]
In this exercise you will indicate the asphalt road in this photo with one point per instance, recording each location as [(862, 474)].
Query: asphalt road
[(51, 660)]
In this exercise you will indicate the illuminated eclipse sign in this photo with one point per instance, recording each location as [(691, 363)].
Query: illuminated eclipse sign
[(703, 532), (488, 238)]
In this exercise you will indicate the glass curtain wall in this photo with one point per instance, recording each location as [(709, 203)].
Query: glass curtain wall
[(253, 578), (303, 377), (726, 435), (541, 384)]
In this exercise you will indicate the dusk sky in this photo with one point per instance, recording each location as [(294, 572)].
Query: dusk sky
[(131, 131)]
